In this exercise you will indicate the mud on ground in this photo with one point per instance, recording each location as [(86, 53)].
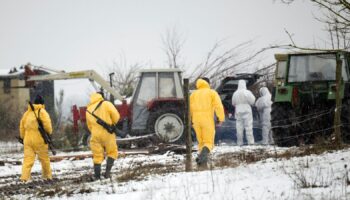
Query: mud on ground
[(77, 180)]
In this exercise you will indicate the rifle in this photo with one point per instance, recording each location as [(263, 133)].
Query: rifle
[(43, 133), (110, 128), (19, 139)]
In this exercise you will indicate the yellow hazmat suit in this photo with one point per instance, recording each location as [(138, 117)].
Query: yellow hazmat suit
[(203, 103), (101, 139), (34, 143)]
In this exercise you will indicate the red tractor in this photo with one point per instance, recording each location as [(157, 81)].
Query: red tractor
[(156, 107)]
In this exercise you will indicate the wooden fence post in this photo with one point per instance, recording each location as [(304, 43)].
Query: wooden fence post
[(187, 119), (338, 102)]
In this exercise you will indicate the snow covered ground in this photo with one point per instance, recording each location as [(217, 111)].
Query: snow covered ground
[(322, 176)]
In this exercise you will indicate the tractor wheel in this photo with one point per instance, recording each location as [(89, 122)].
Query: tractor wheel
[(167, 124), (283, 131), (345, 120)]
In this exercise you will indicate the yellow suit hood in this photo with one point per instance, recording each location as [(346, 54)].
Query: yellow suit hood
[(94, 98), (201, 84)]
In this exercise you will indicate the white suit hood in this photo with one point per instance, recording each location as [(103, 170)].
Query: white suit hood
[(265, 99), (264, 91), (242, 85), (243, 99)]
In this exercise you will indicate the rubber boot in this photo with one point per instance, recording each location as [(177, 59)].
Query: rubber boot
[(97, 170), (203, 157), (110, 162), (197, 159)]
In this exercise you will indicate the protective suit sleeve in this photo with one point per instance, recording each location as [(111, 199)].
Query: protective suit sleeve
[(250, 97), (218, 107), (191, 107), (233, 101), (46, 120), (258, 104), (21, 125), (113, 112), (263, 102), (88, 121)]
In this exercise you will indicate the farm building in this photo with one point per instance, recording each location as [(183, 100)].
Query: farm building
[(15, 91)]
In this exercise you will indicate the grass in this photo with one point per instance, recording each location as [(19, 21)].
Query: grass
[(141, 171)]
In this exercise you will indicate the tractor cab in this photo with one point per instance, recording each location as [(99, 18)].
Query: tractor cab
[(304, 96), (157, 104)]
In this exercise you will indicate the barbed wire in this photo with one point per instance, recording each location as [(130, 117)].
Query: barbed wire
[(299, 122), (298, 135), (17, 148), (307, 115)]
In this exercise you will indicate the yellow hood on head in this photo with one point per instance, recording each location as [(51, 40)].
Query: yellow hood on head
[(200, 84), (95, 97)]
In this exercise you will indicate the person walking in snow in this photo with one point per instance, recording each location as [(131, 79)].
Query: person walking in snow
[(263, 105), (243, 99), (204, 102), (32, 140), (101, 140)]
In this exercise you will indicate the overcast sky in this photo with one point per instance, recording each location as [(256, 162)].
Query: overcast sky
[(81, 34), (85, 34)]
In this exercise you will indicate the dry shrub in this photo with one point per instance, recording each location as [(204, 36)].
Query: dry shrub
[(305, 176), (64, 138), (10, 117), (226, 161), (140, 171)]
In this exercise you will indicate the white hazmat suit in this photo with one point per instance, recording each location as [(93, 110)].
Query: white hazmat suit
[(263, 105), (243, 99)]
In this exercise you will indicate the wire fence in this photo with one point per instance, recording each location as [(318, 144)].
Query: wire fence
[(291, 123), (296, 121), (312, 115)]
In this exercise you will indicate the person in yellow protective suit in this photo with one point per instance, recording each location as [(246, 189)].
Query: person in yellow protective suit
[(204, 102), (102, 140), (32, 140)]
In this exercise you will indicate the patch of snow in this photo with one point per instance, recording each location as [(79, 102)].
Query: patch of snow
[(266, 179)]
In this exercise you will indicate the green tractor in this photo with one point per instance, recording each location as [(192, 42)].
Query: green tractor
[(304, 97)]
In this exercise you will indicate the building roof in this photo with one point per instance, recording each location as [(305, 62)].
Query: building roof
[(4, 73)]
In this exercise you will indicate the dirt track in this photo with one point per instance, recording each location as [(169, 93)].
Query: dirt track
[(77, 179)]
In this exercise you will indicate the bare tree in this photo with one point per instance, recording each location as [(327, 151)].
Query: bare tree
[(220, 62), (339, 38), (267, 76), (336, 17), (59, 109), (10, 116), (172, 45), (125, 75)]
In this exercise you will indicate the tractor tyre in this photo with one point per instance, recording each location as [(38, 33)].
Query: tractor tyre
[(283, 130), (167, 124), (345, 121)]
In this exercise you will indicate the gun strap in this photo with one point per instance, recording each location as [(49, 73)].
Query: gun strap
[(98, 105), (93, 112), (32, 107)]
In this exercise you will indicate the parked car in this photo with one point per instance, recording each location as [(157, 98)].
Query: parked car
[(226, 133)]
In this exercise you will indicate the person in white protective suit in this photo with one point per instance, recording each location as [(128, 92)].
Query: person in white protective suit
[(242, 100), (263, 105)]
